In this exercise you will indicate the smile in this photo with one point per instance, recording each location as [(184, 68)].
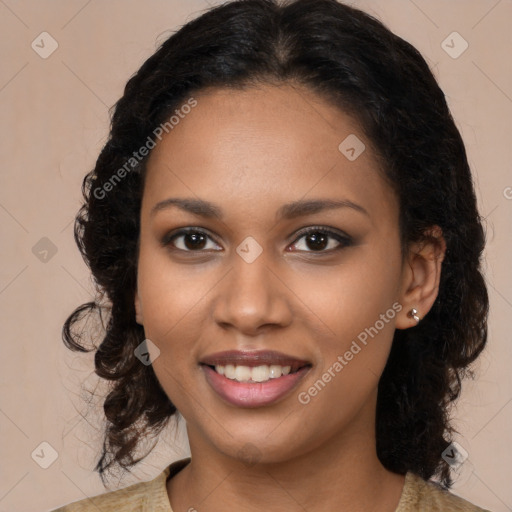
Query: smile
[(261, 373), (250, 387)]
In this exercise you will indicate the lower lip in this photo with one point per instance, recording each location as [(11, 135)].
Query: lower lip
[(252, 394)]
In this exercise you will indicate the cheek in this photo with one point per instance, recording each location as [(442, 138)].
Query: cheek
[(350, 297), (358, 303), (174, 318), (351, 362), (172, 296)]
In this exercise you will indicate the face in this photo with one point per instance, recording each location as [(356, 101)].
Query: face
[(300, 254)]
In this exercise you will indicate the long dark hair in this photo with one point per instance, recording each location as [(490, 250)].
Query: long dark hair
[(356, 63)]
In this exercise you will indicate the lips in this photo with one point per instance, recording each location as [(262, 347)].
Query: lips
[(253, 394), (254, 358)]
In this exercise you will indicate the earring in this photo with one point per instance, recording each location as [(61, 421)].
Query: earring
[(413, 314)]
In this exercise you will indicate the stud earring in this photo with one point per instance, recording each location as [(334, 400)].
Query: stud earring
[(413, 314)]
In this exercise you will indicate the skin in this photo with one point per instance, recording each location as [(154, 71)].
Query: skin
[(250, 152)]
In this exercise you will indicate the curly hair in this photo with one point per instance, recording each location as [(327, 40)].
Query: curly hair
[(352, 60)]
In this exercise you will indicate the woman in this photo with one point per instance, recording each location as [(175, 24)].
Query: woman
[(284, 224)]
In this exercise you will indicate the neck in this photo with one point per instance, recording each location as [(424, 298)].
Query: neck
[(342, 473)]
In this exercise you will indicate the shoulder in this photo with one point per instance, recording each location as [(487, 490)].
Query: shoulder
[(421, 495), (138, 497)]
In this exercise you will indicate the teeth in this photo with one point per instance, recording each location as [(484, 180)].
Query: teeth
[(243, 373), (256, 374)]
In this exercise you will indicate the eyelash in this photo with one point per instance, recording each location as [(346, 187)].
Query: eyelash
[(344, 240)]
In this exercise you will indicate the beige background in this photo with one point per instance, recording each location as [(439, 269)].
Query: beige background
[(54, 121)]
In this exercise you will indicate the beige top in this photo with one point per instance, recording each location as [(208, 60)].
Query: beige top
[(417, 495)]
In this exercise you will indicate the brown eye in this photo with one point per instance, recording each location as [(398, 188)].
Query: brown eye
[(188, 240), (322, 240)]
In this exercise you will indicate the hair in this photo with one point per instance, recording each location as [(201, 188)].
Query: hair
[(352, 60)]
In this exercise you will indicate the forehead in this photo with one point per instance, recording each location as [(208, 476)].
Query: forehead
[(265, 145)]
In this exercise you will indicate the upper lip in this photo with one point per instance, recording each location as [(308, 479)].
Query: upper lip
[(253, 358)]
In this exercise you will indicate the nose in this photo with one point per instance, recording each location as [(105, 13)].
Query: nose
[(252, 297)]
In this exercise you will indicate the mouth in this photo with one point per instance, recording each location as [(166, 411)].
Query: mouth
[(253, 366), (253, 379), (261, 373)]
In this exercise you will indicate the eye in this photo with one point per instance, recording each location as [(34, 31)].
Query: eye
[(318, 239), (193, 240), (322, 240)]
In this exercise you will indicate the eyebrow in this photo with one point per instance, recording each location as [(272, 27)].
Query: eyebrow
[(288, 211)]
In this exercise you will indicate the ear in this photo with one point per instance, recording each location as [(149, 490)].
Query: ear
[(421, 275), (138, 309)]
